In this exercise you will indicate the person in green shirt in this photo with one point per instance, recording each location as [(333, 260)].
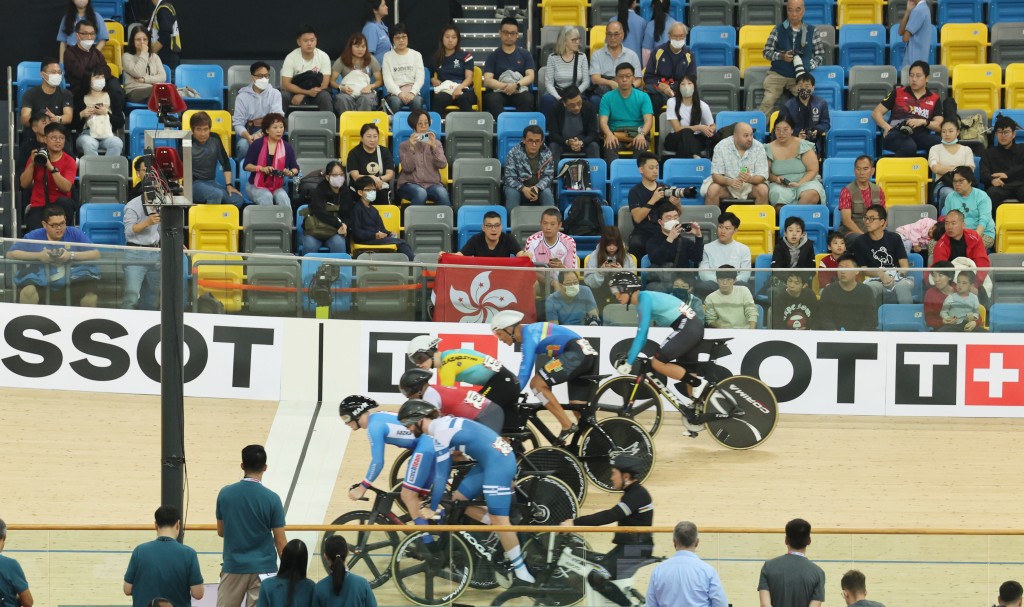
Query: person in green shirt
[(163, 567), (290, 587), (341, 588)]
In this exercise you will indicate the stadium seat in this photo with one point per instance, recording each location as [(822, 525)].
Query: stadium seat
[(1007, 318), (676, 9), (819, 12), (710, 12), (350, 124), (751, 46), (207, 80), (869, 84), (757, 227), (312, 163), (1008, 47), (1005, 11), (817, 222), (469, 135), (376, 291), (239, 77), (687, 173), (470, 220), (835, 175), (228, 276), (1008, 286), (826, 36), (311, 262), (220, 125), (624, 221), (213, 227), (401, 130), (1015, 85), (898, 48), (902, 317), (761, 262), (429, 229), (851, 134), (103, 223), (598, 32), (958, 11), (720, 86), (1010, 228), (312, 134), (905, 180), (140, 121), (978, 87), (477, 181), (586, 244), (283, 297), (758, 12), (753, 87), (905, 214), (563, 12), (853, 12), (963, 43), (706, 216), (525, 221), (861, 45), (103, 178), (617, 315), (713, 45), (392, 218), (112, 51), (110, 9), (598, 182), (266, 229), (623, 175), (510, 129), (830, 85), (755, 119)]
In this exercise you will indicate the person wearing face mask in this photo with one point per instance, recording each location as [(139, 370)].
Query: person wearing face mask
[(49, 98), (78, 11), (572, 304), (142, 67), (677, 245), (80, 63), (792, 48), (330, 208), (668, 64), (945, 157), (252, 104), (808, 113), (367, 224), (96, 116), (691, 120)]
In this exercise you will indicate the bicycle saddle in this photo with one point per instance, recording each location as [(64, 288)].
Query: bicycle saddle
[(593, 378), (517, 435), (530, 407)]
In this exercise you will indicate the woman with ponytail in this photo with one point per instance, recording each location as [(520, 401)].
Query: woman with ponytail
[(291, 587), (341, 588), (656, 31), (633, 25)]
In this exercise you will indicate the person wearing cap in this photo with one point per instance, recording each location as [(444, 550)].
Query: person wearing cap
[(456, 401), (1002, 165)]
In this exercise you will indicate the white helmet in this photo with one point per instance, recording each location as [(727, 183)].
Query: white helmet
[(422, 347), (506, 319)]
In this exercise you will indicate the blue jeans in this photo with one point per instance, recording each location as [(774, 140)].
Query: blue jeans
[(417, 194), (241, 148), (939, 193), (513, 198), (211, 192), (141, 279), (311, 244), (396, 104), (90, 146), (266, 197)]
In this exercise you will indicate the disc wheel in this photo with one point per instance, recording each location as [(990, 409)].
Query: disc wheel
[(429, 580), (623, 397), (370, 552), (566, 468), (551, 501), (611, 437), (757, 402)]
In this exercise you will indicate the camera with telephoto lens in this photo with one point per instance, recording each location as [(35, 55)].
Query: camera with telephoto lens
[(41, 157), (906, 129), (320, 284), (798, 66), (671, 192)]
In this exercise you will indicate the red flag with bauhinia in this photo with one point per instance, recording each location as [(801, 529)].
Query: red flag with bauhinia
[(477, 294)]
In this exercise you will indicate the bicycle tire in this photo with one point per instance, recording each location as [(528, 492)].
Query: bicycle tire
[(613, 395), (532, 441), (529, 597), (614, 436), (416, 576), (483, 569), (371, 562), (552, 501), (759, 419), (397, 473), (567, 468), (560, 587)]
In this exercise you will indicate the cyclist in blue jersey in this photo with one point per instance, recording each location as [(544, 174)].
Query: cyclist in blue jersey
[(572, 357), (687, 333), (492, 475), (382, 429)]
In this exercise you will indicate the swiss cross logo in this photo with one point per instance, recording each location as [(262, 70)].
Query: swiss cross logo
[(995, 376)]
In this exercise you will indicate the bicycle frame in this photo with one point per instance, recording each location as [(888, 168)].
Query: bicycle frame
[(575, 563)]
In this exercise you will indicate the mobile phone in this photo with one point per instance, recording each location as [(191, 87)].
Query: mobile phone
[(784, 181)]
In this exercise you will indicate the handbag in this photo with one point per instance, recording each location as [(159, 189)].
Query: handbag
[(575, 72), (316, 227)]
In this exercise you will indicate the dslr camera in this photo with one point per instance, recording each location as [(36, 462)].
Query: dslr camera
[(798, 65), (320, 284), (41, 157), (671, 192)]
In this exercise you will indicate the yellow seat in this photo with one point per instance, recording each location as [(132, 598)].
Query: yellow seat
[(859, 12), (963, 43), (904, 180), (351, 122), (815, 284), (115, 70), (116, 31), (221, 125), (478, 88), (112, 51), (228, 275), (392, 217), (757, 227), (213, 227), (751, 46), (978, 86), (597, 34), (563, 12), (1010, 228), (1014, 83)]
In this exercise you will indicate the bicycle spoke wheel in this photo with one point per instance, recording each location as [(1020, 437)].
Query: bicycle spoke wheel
[(431, 580), (614, 436), (370, 551), (623, 397), (757, 402), (397, 473), (566, 468), (550, 499)]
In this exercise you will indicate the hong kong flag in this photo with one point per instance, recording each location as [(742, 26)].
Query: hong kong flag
[(477, 294), (995, 375)]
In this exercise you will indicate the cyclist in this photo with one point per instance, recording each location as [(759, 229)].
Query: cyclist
[(635, 509), (382, 429), (492, 475), (455, 401), (572, 358), (687, 333)]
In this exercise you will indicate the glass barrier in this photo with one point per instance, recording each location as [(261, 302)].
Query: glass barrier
[(386, 286)]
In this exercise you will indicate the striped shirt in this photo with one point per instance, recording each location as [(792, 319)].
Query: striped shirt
[(559, 74)]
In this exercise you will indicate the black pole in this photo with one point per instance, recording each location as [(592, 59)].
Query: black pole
[(172, 354)]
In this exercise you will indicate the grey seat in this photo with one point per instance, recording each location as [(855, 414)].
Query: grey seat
[(904, 214), (549, 35), (1008, 286), (625, 223), (266, 229), (616, 315), (719, 86), (602, 11), (542, 87), (285, 273), (706, 216), (753, 86), (386, 304), (477, 181), (428, 228), (313, 133), (869, 84), (1007, 43), (104, 178), (758, 12), (238, 77), (469, 135), (711, 12), (663, 130), (312, 163), (826, 34)]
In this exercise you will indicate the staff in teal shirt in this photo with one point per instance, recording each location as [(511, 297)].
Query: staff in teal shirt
[(341, 589), (291, 587), (163, 567), (13, 585)]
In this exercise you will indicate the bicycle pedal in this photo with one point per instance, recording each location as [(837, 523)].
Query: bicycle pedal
[(691, 434)]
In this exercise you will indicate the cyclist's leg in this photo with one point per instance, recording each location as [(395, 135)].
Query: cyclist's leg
[(603, 584), (419, 472), (499, 469), (572, 362), (492, 416), (503, 389), (471, 487), (686, 336)]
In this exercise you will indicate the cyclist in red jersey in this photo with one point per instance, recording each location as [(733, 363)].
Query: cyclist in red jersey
[(459, 402)]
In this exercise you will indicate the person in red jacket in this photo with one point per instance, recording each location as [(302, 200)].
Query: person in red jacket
[(958, 242)]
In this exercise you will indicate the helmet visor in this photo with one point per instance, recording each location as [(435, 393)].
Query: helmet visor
[(418, 358)]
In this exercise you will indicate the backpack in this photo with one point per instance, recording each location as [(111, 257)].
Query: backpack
[(585, 217), (575, 175), (974, 129), (307, 184)]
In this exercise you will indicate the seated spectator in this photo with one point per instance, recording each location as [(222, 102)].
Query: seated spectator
[(508, 73), (403, 73), (793, 49), (493, 241), (918, 236), (731, 306), (422, 158), (76, 12), (207, 153), (268, 162), (573, 129), (1002, 165), (682, 289), (81, 61), (604, 60), (961, 311), (142, 67), (49, 98), (55, 264), (836, 249), (739, 169), (572, 304), (883, 254), (794, 306), (942, 276), (50, 176), (529, 171), (610, 254), (644, 198), (163, 28), (367, 224), (847, 305), (677, 245), (330, 208), (633, 27), (370, 159), (915, 115), (626, 117), (963, 247), (946, 156), (142, 259), (355, 77), (567, 66), (95, 115), (792, 168), (793, 249), (28, 146), (1011, 594), (690, 119), (721, 252), (253, 103), (851, 207), (306, 71), (550, 247), (378, 41), (670, 61), (452, 76), (808, 113), (973, 203), (658, 30)]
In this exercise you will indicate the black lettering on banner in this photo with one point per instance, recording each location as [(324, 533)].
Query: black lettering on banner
[(244, 338), (798, 361), (198, 353), (846, 356), (926, 374), (82, 338), (15, 336), (380, 363)]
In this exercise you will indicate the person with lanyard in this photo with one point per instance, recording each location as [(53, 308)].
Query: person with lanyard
[(452, 400), (572, 358), (163, 29), (687, 333), (635, 509), (142, 258), (382, 428)]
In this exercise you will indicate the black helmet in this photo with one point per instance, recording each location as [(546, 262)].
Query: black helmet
[(630, 464), (353, 406), (414, 380), (624, 282), (414, 410)]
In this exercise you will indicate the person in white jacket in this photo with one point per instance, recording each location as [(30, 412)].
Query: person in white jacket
[(403, 73)]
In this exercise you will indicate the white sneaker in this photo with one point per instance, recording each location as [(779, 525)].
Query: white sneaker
[(681, 397), (698, 391)]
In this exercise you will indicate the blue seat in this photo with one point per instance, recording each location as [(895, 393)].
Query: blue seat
[(207, 80), (851, 134), (830, 85), (28, 70), (470, 220), (400, 129), (916, 260), (959, 11), (817, 222), (764, 262), (598, 182), (714, 45), (1002, 11), (977, 168), (510, 129), (676, 10), (645, 262), (110, 9), (587, 244), (139, 122), (342, 302), (836, 174), (819, 12), (1006, 318), (755, 119), (624, 174), (1017, 115), (861, 45), (103, 222), (898, 48), (687, 173), (902, 317)]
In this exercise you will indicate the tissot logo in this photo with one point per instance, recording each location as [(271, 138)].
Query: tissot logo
[(994, 376), (926, 374)]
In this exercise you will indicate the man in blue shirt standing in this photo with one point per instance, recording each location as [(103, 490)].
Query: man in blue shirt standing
[(250, 518), (685, 580), (163, 567), (916, 30), (13, 585)]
